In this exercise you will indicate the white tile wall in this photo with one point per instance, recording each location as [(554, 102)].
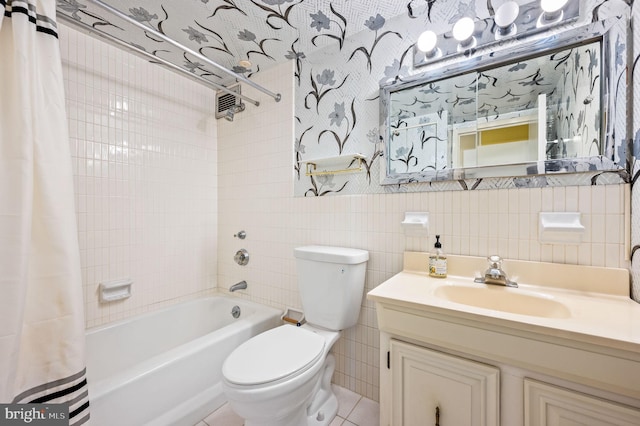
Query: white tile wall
[(143, 142), (159, 197)]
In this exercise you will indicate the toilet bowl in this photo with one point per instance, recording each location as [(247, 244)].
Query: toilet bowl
[(282, 377)]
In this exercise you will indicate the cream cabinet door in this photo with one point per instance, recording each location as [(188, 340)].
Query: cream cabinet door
[(547, 405), (432, 388)]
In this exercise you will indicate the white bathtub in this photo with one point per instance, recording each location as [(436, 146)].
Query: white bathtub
[(165, 367)]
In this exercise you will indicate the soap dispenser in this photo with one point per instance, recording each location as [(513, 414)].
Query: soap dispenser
[(438, 261)]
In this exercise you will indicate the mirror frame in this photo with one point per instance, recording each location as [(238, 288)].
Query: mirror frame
[(608, 32)]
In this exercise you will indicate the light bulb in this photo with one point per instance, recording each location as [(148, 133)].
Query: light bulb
[(552, 9), (506, 15), (463, 32), (427, 42), (463, 29), (552, 6)]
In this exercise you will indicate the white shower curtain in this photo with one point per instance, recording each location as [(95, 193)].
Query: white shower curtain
[(41, 307)]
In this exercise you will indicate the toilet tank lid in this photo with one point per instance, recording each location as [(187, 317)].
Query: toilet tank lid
[(330, 254)]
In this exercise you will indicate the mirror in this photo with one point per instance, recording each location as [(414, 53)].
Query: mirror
[(536, 114)]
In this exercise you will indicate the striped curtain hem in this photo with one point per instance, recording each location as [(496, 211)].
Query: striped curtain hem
[(70, 390), (43, 23)]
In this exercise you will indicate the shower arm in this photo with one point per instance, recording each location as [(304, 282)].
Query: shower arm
[(203, 58), (153, 58)]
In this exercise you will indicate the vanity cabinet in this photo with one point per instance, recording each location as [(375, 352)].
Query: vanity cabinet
[(548, 405), (432, 388), (424, 386), (480, 362)]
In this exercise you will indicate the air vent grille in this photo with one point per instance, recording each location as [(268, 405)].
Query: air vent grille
[(226, 101)]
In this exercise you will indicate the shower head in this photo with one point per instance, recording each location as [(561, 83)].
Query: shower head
[(232, 111)]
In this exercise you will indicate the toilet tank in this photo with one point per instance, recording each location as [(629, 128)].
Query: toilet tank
[(331, 284)]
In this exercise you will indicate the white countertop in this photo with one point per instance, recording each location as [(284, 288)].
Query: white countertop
[(599, 312)]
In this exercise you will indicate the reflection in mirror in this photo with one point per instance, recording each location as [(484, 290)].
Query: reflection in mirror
[(551, 106), (541, 108), (421, 120)]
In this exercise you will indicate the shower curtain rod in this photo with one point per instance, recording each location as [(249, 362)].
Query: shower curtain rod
[(201, 57), (140, 52)]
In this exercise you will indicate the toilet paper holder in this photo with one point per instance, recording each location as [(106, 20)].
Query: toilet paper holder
[(293, 316)]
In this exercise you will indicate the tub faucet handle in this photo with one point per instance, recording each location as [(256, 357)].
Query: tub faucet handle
[(241, 257)]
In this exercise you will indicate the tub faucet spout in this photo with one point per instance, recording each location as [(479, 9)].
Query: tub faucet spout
[(238, 286)]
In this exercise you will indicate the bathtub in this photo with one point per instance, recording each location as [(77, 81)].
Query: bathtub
[(165, 367)]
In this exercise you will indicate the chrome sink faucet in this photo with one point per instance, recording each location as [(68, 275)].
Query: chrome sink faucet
[(494, 274)]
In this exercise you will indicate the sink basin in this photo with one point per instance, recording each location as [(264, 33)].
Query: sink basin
[(504, 299)]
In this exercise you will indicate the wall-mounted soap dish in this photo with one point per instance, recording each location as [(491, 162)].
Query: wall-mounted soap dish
[(113, 290), (561, 228), (415, 223)]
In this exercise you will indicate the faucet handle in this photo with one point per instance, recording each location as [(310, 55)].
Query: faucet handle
[(495, 261)]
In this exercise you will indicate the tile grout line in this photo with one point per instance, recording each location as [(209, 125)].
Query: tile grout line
[(354, 407)]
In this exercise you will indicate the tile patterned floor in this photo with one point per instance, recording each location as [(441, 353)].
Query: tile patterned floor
[(353, 410)]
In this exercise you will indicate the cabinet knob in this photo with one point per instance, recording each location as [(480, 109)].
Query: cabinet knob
[(437, 416)]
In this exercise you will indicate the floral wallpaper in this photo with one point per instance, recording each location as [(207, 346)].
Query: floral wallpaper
[(263, 32), (346, 118), (577, 118), (419, 143)]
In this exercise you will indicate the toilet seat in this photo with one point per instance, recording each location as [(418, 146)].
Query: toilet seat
[(273, 355)]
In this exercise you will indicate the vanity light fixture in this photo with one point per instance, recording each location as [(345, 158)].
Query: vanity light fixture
[(511, 20), (463, 32), (428, 43), (505, 19)]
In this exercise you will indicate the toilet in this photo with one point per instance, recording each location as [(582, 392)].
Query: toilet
[(282, 377)]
